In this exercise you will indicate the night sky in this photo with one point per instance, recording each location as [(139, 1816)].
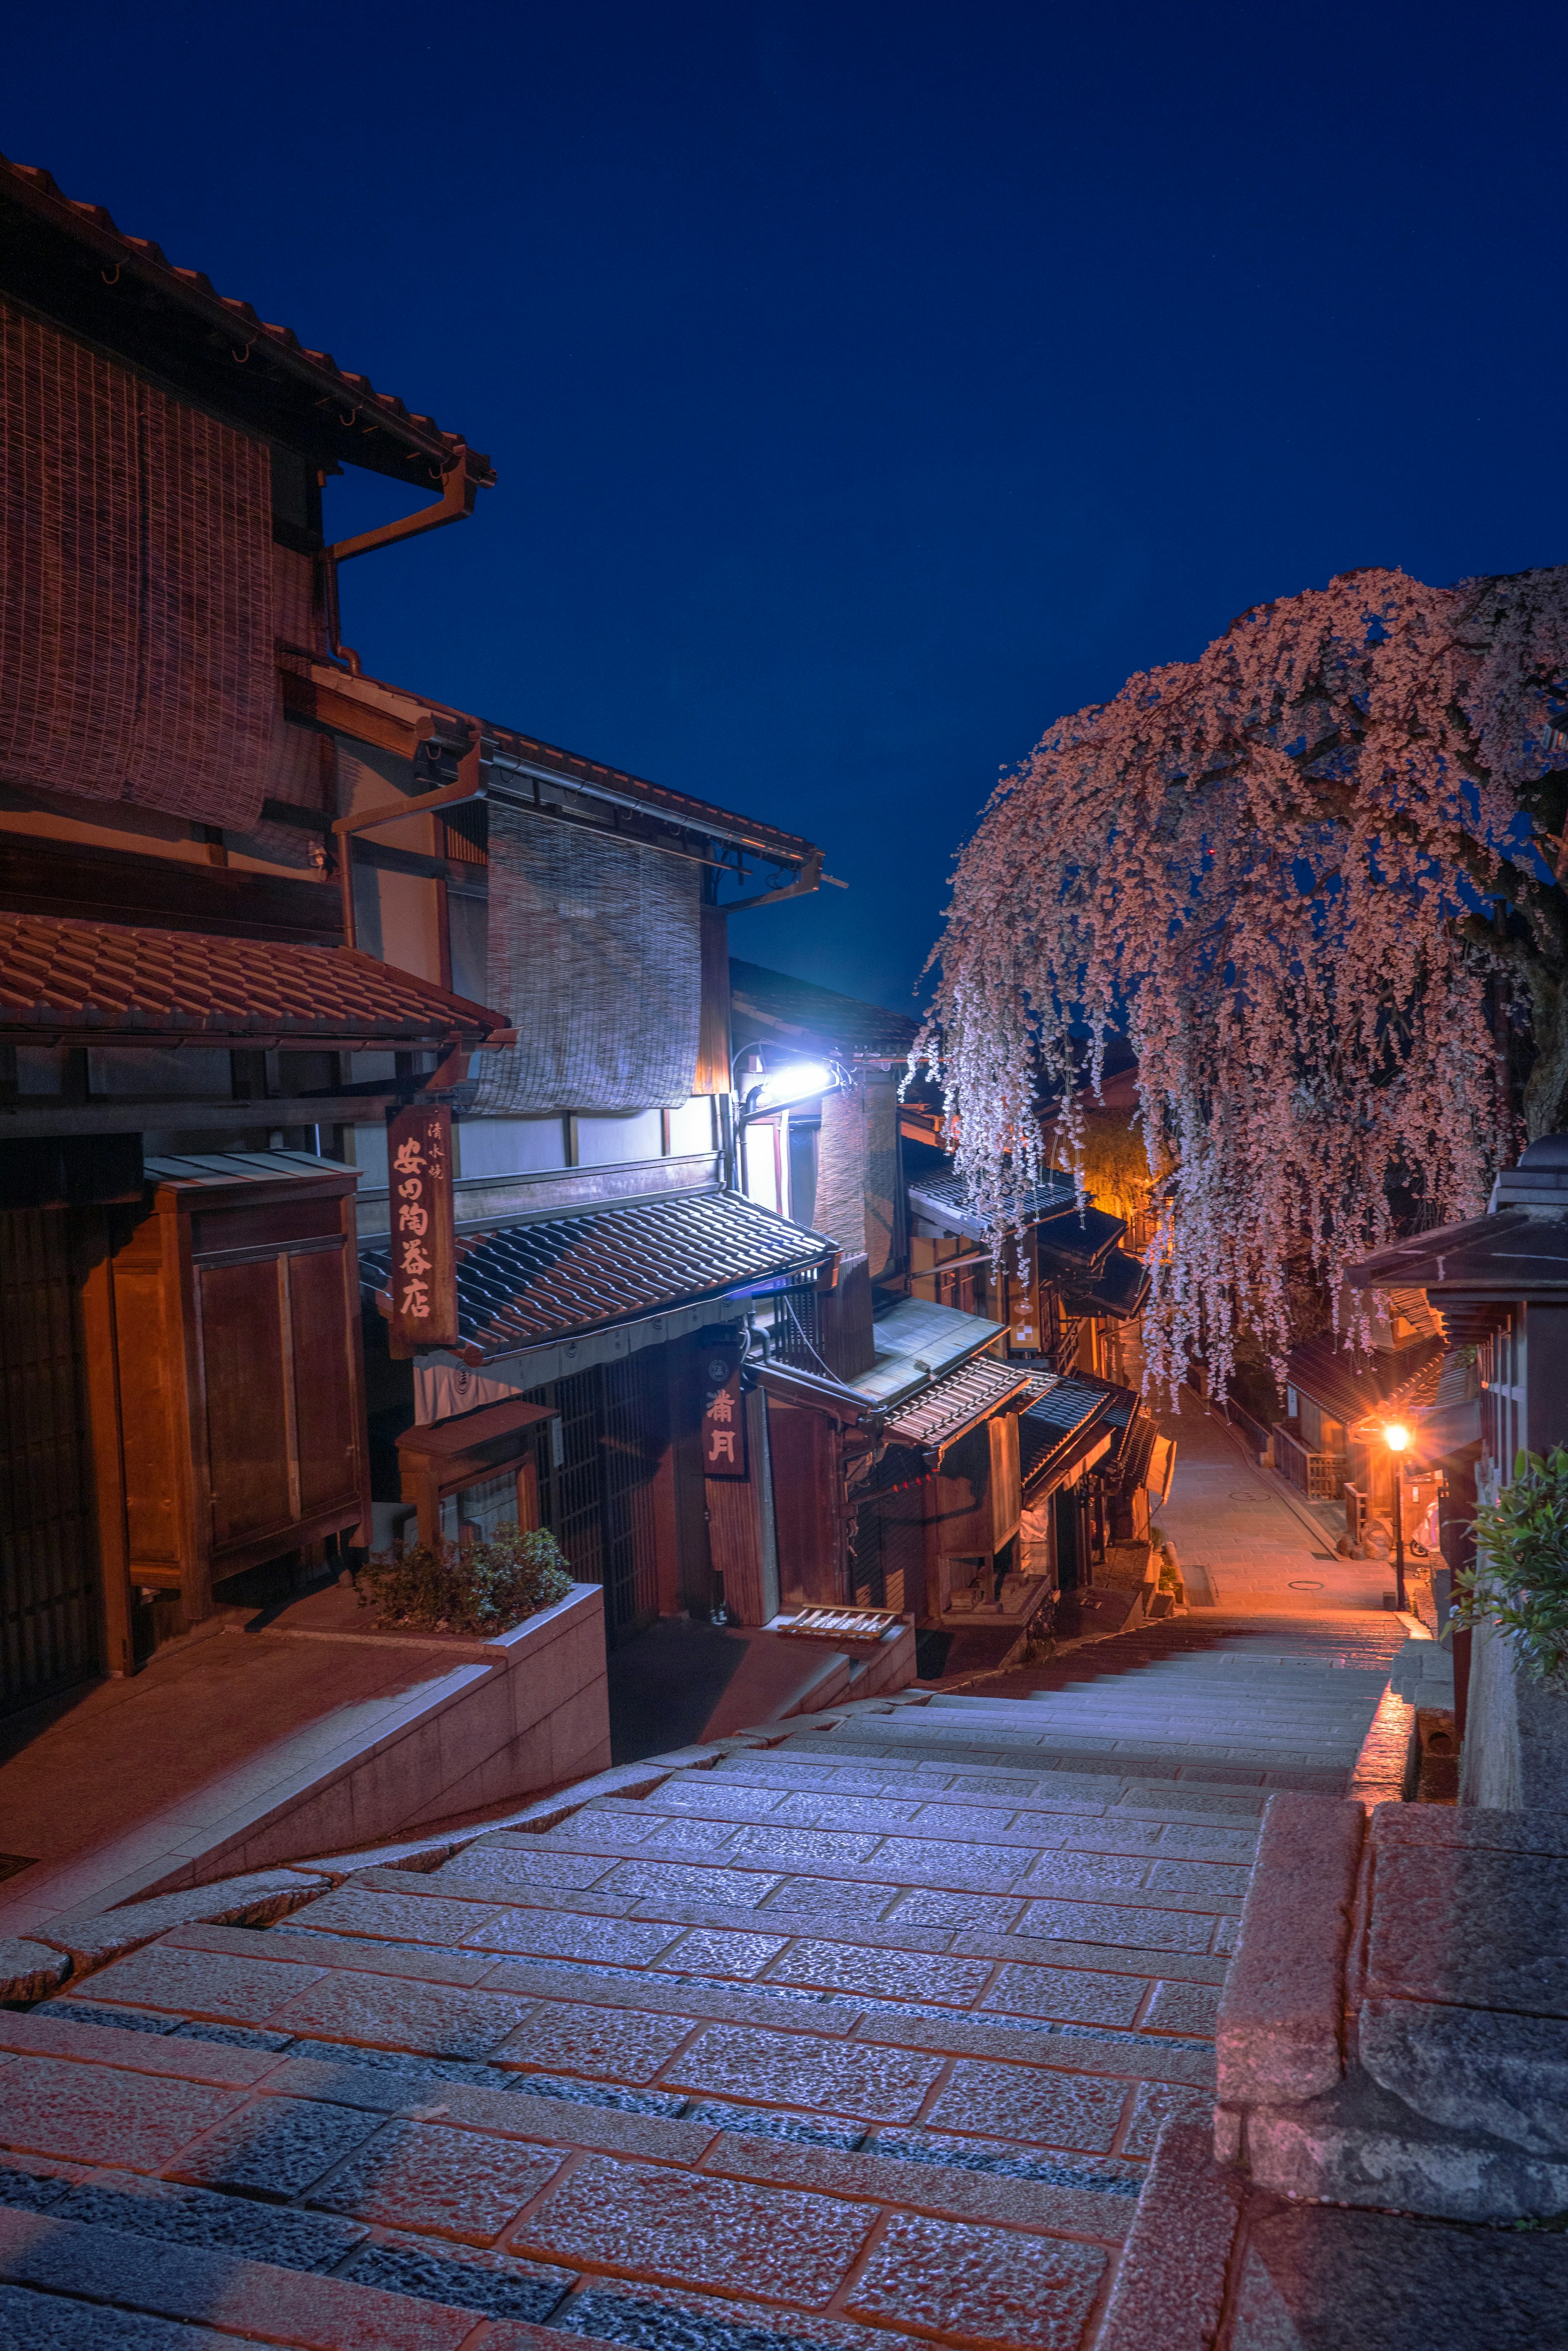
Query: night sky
[(868, 383)]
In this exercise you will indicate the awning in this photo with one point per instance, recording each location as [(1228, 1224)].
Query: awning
[(950, 1406), (943, 1197), (1115, 1291), (916, 1343), (1069, 1421), (553, 1277), (105, 984)]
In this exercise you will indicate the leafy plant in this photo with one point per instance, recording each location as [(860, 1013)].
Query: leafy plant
[(1519, 1584), (485, 1586)]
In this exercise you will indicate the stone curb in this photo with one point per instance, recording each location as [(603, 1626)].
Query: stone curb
[(255, 1899), (1169, 2293), (29, 1968), (68, 1948), (1280, 2034)]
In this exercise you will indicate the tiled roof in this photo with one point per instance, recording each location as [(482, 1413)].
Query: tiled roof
[(773, 1007), (1511, 1253), (233, 326), (944, 1196), (916, 1341), (1117, 1287), (370, 709), (949, 1407), (1078, 1240), (106, 983), (1050, 1430), (530, 1284), (1345, 1384)]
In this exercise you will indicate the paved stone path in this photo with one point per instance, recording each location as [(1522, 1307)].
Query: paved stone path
[(858, 2040), (1246, 1540)]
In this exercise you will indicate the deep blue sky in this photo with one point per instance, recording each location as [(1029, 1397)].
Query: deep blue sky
[(870, 381)]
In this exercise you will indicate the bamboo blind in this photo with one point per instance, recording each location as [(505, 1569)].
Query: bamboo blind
[(136, 624), (594, 955)]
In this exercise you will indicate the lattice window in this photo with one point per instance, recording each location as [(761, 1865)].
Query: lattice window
[(49, 1550)]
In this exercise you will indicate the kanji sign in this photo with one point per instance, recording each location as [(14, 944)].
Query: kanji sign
[(723, 1418), (424, 1253)]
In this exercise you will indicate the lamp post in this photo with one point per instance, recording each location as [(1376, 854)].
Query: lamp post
[(1396, 1438)]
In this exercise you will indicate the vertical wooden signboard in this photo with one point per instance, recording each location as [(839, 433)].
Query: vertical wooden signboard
[(423, 1247), (724, 1417)]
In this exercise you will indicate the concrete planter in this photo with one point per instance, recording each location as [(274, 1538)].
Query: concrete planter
[(526, 1710)]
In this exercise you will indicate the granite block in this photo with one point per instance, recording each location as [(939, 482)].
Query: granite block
[(98, 2114), (1469, 1925), (1029, 2102), (28, 1969), (435, 2019), (274, 2148), (1279, 2034), (425, 2176), (193, 2216), (729, 2235), (880, 2085), (1504, 2076), (462, 2277), (1170, 2283), (977, 2285)]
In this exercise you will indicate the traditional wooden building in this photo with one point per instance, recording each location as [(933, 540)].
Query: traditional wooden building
[(184, 1035), (252, 902), (1497, 1290), (944, 1441)]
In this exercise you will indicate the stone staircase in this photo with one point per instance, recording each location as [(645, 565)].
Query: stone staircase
[(852, 2033)]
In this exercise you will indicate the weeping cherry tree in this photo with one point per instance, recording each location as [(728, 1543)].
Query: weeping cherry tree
[(1313, 876)]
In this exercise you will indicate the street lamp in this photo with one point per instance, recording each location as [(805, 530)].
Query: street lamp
[(1397, 1437)]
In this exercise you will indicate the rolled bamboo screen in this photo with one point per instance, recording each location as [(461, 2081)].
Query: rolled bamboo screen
[(136, 626)]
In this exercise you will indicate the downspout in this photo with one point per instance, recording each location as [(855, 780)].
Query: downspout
[(455, 504)]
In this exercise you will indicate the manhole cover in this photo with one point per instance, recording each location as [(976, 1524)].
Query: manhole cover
[(1307, 1586)]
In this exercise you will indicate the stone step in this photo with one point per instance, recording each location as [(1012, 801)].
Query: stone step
[(1288, 1768), (958, 1818), (1078, 1787)]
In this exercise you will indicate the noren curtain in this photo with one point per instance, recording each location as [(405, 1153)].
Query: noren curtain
[(136, 654), (595, 956)]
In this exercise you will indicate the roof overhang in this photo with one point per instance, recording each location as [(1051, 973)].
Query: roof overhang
[(518, 766), (70, 263), (104, 985)]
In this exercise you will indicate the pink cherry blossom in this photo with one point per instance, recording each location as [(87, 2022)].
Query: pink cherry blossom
[(1273, 869)]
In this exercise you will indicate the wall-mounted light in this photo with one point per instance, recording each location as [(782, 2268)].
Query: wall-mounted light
[(796, 1081)]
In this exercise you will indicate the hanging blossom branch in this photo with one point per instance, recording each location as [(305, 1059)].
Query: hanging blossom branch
[(1278, 867)]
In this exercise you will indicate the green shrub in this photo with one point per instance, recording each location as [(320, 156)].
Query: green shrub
[(485, 1586), (1519, 1584)]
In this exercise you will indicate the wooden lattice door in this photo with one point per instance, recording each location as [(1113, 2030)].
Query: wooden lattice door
[(49, 1606)]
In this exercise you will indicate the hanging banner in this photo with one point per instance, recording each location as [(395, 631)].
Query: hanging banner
[(724, 1417), (423, 1246)]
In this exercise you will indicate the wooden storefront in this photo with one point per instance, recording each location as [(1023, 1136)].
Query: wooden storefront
[(225, 1380)]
